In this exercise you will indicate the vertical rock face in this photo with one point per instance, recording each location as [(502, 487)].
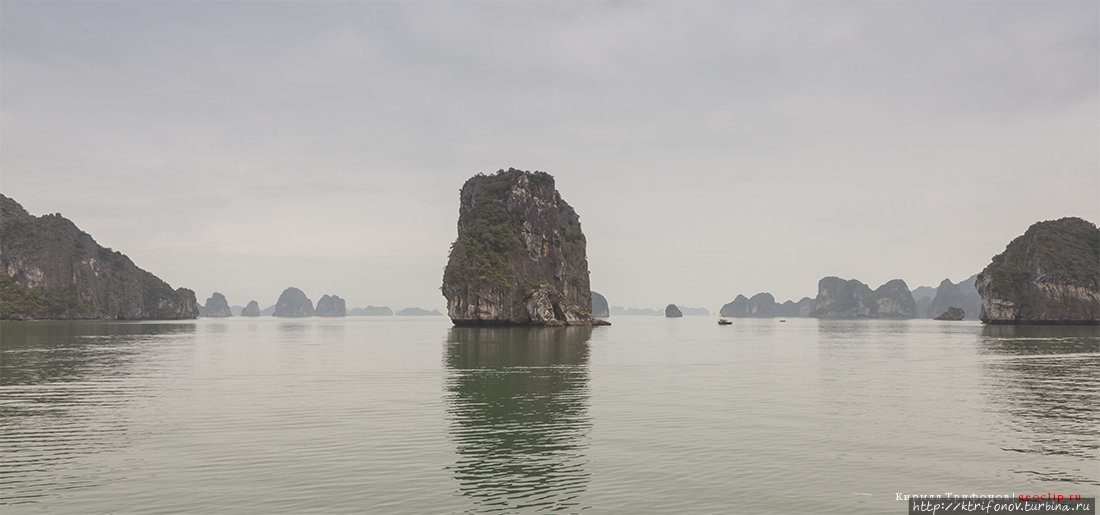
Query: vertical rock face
[(673, 312), (837, 298), (1050, 275), (599, 306), (330, 307), (50, 269), (216, 307), (293, 303), (520, 255), (251, 310)]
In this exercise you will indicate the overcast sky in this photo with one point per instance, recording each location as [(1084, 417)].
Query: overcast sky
[(710, 148)]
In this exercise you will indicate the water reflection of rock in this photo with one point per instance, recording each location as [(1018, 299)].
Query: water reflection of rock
[(1044, 379), (64, 387), (518, 405)]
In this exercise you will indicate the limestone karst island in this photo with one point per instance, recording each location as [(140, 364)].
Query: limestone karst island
[(519, 258), (1050, 275), (50, 269)]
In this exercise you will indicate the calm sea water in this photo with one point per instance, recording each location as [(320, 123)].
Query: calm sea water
[(408, 415)]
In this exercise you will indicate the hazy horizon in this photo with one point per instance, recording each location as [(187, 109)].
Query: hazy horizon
[(711, 149)]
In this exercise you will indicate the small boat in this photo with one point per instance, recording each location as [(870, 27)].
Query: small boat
[(782, 320), (722, 321)]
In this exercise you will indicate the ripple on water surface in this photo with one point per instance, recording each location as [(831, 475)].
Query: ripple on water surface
[(650, 415)]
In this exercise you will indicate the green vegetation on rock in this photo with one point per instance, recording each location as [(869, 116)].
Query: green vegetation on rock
[(50, 269), (1050, 274), (488, 238), (519, 255), (20, 301)]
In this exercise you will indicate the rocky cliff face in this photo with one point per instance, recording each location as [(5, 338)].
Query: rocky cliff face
[(293, 303), (251, 310), (671, 311), (1050, 275), (520, 255), (837, 298), (599, 306), (50, 269), (216, 307), (330, 307)]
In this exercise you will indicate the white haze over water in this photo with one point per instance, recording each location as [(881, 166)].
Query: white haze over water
[(710, 148)]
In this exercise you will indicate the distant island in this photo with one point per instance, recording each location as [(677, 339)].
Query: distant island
[(418, 312), (50, 269), (519, 258), (838, 298), (330, 306), (371, 311), (293, 303), (599, 306), (251, 310), (933, 301), (216, 307), (763, 305), (619, 311)]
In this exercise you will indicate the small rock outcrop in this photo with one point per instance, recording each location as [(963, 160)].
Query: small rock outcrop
[(293, 303), (520, 255), (330, 306), (216, 307), (599, 306), (1049, 275), (838, 298), (51, 270), (251, 310), (673, 312), (952, 313)]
